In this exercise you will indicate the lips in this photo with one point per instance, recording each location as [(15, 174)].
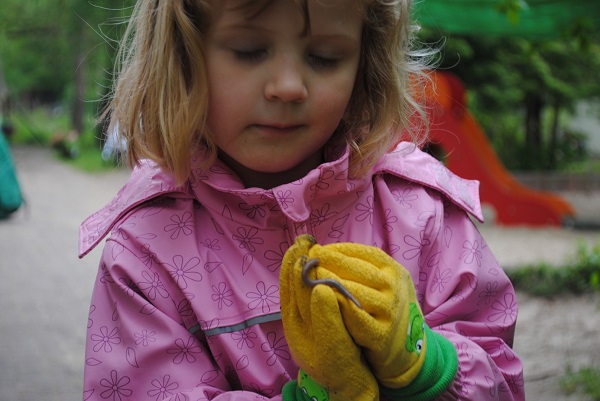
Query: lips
[(277, 129)]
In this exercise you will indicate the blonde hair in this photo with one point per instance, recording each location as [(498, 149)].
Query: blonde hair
[(160, 99)]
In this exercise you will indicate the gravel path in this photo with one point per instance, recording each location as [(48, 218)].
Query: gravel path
[(45, 289)]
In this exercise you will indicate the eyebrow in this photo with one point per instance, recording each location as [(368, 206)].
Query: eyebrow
[(249, 26)]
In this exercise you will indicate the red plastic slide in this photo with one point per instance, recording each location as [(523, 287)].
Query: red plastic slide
[(468, 153)]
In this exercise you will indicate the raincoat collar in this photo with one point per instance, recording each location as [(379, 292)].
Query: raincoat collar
[(217, 186)]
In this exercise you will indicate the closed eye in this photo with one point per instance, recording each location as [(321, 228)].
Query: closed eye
[(251, 55), (317, 61)]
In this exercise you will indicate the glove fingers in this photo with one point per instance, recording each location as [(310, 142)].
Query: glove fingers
[(370, 273), (293, 292), (357, 382), (376, 302)]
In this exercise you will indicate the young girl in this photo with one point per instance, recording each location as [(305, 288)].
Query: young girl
[(263, 132)]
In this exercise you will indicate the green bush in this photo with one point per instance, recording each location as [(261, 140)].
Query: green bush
[(584, 381), (45, 126), (582, 276)]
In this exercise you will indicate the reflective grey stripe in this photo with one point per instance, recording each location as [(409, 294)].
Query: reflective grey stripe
[(240, 326), (195, 328)]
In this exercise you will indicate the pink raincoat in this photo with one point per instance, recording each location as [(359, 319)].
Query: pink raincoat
[(186, 303)]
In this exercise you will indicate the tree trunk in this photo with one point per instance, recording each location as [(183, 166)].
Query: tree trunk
[(3, 92), (554, 134), (78, 106), (534, 105)]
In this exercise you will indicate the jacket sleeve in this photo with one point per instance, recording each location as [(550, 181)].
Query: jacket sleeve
[(467, 297), (137, 345)]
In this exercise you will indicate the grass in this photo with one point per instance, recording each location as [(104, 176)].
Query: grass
[(581, 276), (584, 167), (585, 381), (51, 128)]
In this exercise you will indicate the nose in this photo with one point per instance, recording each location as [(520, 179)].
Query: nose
[(286, 81)]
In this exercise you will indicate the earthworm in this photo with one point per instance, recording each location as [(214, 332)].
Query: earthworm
[(314, 262)]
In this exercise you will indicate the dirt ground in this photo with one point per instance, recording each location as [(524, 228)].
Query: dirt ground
[(552, 334)]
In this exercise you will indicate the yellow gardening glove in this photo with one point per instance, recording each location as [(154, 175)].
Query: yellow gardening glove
[(405, 356), (331, 363)]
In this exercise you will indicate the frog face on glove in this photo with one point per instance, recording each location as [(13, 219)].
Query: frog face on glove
[(416, 330), (311, 388)]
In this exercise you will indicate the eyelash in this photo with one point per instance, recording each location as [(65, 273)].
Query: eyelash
[(250, 55), (258, 54), (322, 62)]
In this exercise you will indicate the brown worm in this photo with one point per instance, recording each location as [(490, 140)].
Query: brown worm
[(314, 262)]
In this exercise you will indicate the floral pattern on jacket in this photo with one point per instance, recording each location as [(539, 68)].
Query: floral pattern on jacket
[(186, 302)]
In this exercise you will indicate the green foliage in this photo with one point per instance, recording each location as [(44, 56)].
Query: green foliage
[(512, 9), (59, 52), (581, 276), (51, 127), (38, 126), (584, 381), (89, 156), (508, 77)]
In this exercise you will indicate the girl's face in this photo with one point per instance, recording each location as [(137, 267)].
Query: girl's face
[(277, 91)]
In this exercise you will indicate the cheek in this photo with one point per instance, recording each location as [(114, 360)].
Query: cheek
[(332, 103)]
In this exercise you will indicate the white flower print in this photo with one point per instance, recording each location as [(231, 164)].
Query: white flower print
[(424, 218), (247, 238), (264, 297), (116, 387), (105, 340), (253, 210), (222, 295), (181, 224), (182, 272), (276, 257), (491, 290), (367, 210), (184, 308), (145, 337), (318, 217), (336, 228), (416, 246), (463, 349), (212, 244), (499, 347), (285, 198), (106, 277), (148, 257), (389, 221), (405, 198), (152, 286), (515, 382), (506, 309), (129, 286), (244, 337), (440, 279), (323, 180), (90, 320), (163, 388), (276, 348), (185, 351), (457, 296), (472, 252)]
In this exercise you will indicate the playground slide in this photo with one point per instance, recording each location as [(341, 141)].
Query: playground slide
[(468, 153)]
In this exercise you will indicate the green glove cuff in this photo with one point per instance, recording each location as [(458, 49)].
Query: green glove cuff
[(304, 389), (437, 373), (291, 392)]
